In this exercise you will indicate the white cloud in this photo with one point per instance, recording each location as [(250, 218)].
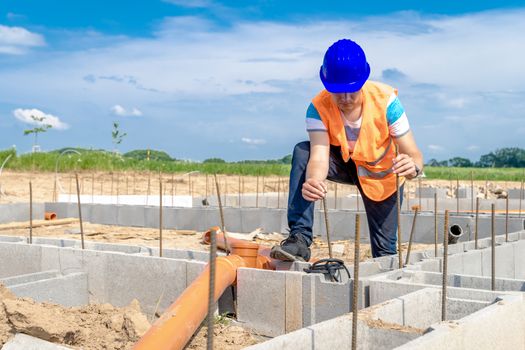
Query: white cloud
[(17, 40), (268, 73), (24, 115), (435, 148), (190, 3), (473, 148), (253, 141), (122, 112)]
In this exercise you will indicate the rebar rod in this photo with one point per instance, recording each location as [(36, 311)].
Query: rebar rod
[(92, 188), (257, 193), (160, 215), (239, 191), (30, 213), (521, 197), (398, 207), (211, 289), (435, 224), (471, 191), (221, 212), (445, 269), (419, 190), (507, 218), (457, 195), (80, 212), (325, 209), (411, 235), (355, 289), (476, 230), (278, 193), (493, 248)]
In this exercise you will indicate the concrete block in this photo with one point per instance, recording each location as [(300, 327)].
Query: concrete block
[(516, 194), (70, 290), (25, 342), (31, 277), (261, 301), (19, 259), (429, 192), (294, 301), (128, 215), (105, 214)]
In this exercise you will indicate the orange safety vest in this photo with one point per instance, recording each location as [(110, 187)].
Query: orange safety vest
[(374, 149)]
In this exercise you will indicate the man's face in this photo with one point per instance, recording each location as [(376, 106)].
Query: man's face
[(347, 100)]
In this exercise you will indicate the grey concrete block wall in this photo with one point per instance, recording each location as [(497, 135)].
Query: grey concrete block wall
[(498, 326), (20, 212), (70, 290)]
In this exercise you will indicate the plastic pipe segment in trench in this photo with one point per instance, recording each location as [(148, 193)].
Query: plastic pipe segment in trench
[(454, 232), (181, 319), (50, 215)]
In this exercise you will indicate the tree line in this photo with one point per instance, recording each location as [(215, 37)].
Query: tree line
[(511, 157)]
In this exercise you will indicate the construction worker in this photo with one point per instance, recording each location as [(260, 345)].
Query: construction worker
[(355, 127)]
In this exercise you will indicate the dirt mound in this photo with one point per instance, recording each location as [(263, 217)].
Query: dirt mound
[(100, 326)]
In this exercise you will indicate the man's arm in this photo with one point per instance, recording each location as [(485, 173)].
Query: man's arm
[(314, 187), (408, 157)]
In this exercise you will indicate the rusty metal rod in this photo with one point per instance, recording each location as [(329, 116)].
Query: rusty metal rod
[(419, 190), (160, 215), (355, 289), (521, 196), (278, 192), (445, 269), (411, 235), (398, 207), (92, 188), (80, 212), (211, 290), (471, 191), (493, 248), (457, 195), (507, 217), (435, 224), (477, 225), (221, 212), (257, 193), (325, 209), (30, 213)]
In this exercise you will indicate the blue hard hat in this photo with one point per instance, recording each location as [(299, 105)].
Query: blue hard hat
[(344, 68)]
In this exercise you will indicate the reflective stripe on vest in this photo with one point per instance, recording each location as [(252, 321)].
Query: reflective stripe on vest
[(373, 151), (381, 156), (362, 171)]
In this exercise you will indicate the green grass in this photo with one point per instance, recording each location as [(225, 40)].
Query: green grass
[(104, 161), (490, 174)]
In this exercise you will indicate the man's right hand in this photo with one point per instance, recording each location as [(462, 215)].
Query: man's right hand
[(314, 189)]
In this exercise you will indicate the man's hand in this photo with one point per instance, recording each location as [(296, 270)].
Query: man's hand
[(314, 189), (405, 166)]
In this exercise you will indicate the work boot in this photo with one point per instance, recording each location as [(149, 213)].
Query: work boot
[(293, 248)]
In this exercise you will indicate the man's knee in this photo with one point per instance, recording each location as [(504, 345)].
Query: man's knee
[(301, 152)]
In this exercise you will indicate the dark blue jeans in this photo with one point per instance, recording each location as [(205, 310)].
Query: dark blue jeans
[(381, 216)]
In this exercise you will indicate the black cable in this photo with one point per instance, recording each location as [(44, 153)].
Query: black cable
[(331, 267)]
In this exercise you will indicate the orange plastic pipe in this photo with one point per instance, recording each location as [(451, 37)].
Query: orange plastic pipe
[(263, 258), (48, 215), (178, 323)]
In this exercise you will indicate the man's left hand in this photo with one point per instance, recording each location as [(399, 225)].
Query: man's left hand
[(405, 166)]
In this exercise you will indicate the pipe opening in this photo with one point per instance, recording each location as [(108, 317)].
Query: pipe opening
[(454, 232)]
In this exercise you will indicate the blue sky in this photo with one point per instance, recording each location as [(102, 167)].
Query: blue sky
[(229, 79)]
